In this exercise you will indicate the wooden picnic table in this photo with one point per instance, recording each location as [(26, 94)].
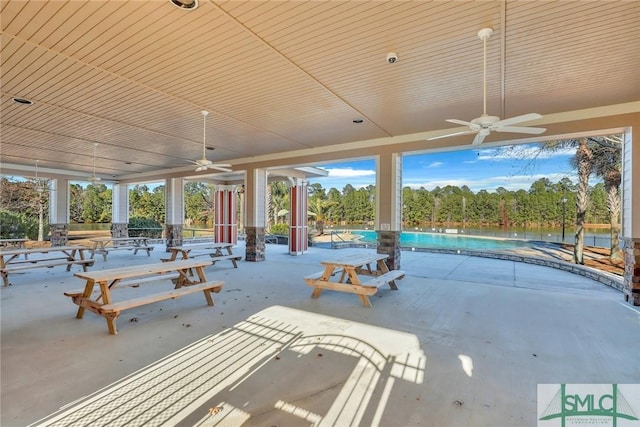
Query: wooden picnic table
[(349, 268), (216, 251), (103, 245), (187, 276), (13, 243), (49, 256)]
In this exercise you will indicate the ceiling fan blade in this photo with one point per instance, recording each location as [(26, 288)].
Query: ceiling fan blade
[(222, 168), (517, 119), (521, 129), (460, 122), (465, 132), (201, 168), (479, 138)]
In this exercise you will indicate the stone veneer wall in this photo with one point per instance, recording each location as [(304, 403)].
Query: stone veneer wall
[(631, 287), (255, 244), (119, 229), (389, 244), (59, 234), (173, 234)]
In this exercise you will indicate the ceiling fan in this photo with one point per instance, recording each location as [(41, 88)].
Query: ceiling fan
[(41, 184), (93, 178), (204, 163), (485, 124)]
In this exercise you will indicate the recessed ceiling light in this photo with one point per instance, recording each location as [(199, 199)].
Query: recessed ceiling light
[(22, 101), (358, 120), (185, 4)]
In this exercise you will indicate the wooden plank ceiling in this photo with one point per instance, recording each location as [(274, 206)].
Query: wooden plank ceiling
[(278, 76)]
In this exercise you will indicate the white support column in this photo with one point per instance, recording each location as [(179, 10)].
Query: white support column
[(59, 211), (630, 239), (225, 214), (389, 206), (120, 211), (174, 211), (256, 201), (298, 229)]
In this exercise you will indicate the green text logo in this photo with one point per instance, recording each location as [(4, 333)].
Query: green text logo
[(586, 404)]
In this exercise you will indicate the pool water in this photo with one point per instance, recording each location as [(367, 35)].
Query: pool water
[(409, 239)]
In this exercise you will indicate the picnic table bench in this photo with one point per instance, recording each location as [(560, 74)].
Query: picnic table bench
[(49, 256), (103, 245), (349, 268), (210, 249), (13, 243), (187, 277)]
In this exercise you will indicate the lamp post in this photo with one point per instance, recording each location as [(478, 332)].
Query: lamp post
[(564, 211)]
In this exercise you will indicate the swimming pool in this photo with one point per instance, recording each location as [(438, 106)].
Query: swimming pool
[(411, 239)]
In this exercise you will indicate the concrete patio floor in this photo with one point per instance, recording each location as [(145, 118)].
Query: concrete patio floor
[(464, 342)]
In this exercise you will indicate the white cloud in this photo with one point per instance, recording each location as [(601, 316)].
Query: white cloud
[(435, 164), (522, 152), (341, 173)]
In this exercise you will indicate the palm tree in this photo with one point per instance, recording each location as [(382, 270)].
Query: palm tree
[(607, 157), (319, 206), (602, 156), (278, 199), (584, 163)]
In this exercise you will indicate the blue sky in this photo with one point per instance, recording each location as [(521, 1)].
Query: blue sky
[(513, 168)]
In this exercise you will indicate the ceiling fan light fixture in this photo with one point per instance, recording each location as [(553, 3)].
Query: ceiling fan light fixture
[(185, 4)]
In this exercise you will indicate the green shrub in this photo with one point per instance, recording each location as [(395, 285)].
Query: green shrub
[(17, 226), (144, 227), (280, 229)]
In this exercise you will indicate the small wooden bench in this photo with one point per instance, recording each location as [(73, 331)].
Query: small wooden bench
[(318, 275), (105, 245), (119, 306), (132, 283), (233, 258), (25, 265), (67, 255), (105, 251), (384, 279), (210, 249)]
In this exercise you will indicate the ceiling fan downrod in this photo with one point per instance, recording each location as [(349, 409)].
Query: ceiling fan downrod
[(484, 35)]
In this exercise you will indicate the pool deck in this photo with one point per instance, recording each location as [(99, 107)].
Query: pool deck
[(464, 341)]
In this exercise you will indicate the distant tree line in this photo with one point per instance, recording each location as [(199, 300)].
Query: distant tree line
[(540, 205)]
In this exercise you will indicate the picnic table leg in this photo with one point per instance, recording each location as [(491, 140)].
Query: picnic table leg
[(365, 300), (70, 257), (316, 292), (88, 289), (207, 295), (111, 322), (5, 278), (328, 271)]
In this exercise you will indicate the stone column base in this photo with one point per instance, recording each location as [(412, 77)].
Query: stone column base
[(255, 249), (173, 234), (119, 229), (59, 234), (389, 244), (631, 283)]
